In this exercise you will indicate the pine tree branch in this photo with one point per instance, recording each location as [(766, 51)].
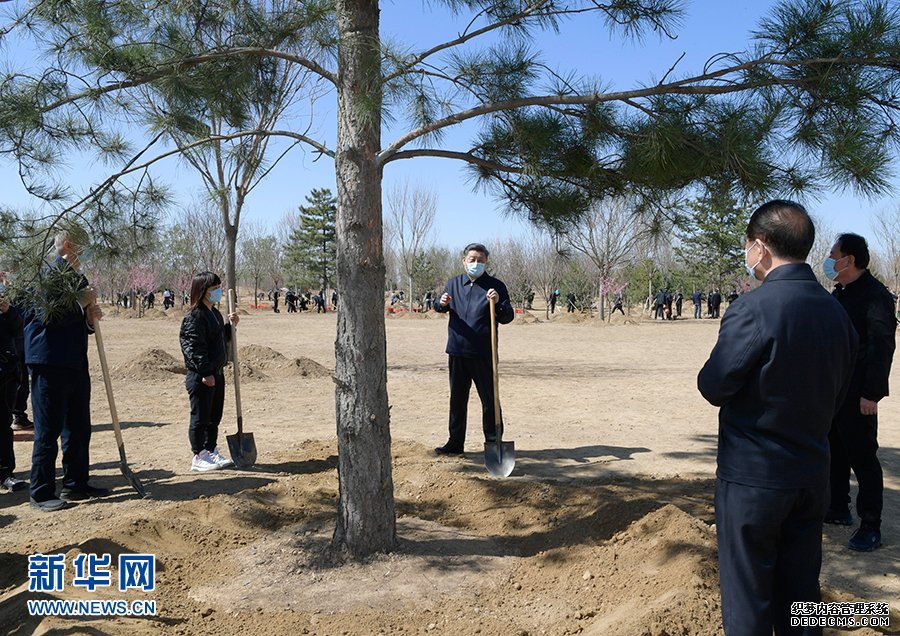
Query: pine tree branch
[(687, 86), (450, 154), (178, 66), (463, 38)]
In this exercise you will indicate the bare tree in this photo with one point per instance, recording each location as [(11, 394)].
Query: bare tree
[(886, 228), (259, 255), (509, 262), (546, 264), (198, 239), (825, 237), (411, 211), (608, 235)]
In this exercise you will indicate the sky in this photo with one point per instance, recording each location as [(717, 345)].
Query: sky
[(584, 46)]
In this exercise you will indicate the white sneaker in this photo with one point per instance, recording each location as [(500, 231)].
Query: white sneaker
[(203, 461), (220, 459)]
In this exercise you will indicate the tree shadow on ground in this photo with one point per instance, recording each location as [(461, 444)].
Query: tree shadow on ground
[(163, 485), (710, 445), (560, 463), (304, 467), (126, 425)]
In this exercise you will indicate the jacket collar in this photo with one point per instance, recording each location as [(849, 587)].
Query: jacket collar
[(791, 271)]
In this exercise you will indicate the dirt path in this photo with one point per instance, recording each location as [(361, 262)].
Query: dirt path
[(604, 527)]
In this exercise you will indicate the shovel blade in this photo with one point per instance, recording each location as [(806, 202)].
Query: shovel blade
[(132, 479), (500, 459), (242, 449)]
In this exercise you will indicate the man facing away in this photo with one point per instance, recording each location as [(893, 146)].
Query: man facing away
[(467, 297), (779, 371), (854, 433)]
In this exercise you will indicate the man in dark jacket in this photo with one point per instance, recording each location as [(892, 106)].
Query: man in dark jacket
[(659, 304), (20, 402), (779, 371), (697, 299), (56, 354), (715, 303), (854, 434), (10, 330), (467, 297)]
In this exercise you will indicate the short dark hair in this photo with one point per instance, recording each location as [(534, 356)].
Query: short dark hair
[(854, 245), (785, 227), (477, 247), (200, 284)]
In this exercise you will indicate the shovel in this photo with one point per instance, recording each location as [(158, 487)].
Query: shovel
[(241, 444), (130, 477), (499, 456)]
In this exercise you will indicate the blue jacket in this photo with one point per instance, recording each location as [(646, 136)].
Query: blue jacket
[(61, 342), (780, 369), (469, 334)]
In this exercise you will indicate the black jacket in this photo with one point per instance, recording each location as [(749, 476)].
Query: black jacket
[(203, 337), (779, 370), (62, 341), (469, 334), (871, 309), (10, 332)]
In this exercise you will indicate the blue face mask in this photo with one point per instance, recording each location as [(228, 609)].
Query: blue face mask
[(475, 269), (828, 267), (215, 295)]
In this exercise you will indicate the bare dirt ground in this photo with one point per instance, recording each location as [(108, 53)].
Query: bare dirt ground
[(604, 528)]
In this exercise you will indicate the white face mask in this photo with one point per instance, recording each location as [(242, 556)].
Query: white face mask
[(752, 270)]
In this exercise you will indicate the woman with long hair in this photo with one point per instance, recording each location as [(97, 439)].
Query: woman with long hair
[(204, 337)]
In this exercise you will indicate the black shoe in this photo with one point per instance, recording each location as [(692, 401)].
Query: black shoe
[(865, 539), (839, 517), (446, 449), (80, 494), (49, 505), (22, 423), (11, 484)]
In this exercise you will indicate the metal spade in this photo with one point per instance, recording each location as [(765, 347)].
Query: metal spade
[(499, 456), (241, 445)]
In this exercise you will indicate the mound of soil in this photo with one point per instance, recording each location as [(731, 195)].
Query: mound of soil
[(260, 362), (155, 314), (568, 318), (150, 364), (526, 318)]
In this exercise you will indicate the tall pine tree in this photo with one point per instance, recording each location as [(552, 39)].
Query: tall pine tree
[(712, 239), (312, 249)]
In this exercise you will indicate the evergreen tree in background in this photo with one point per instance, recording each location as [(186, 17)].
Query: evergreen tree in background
[(312, 249), (712, 239)]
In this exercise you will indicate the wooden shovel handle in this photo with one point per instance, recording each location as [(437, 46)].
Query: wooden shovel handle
[(235, 366), (104, 366), (495, 362)]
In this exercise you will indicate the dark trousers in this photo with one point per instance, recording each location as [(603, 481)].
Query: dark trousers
[(8, 388), (854, 445), (770, 554), (206, 411), (659, 313), (20, 406), (61, 402), (697, 311), (463, 372)]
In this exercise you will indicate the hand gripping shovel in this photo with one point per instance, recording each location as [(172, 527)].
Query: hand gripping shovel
[(241, 444), (114, 414), (499, 456)]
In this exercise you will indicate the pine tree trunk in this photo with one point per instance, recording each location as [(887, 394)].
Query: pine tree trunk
[(366, 519)]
